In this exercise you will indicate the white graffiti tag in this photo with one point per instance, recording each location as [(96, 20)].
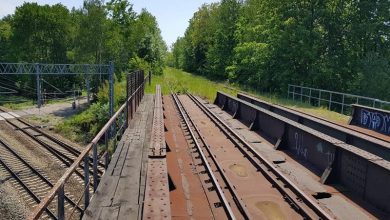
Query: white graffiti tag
[(301, 150), (375, 121)]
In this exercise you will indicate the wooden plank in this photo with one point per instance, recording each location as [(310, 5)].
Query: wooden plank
[(121, 160), (128, 211), (109, 213), (119, 190)]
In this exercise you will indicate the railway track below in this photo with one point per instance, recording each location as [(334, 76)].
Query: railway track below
[(253, 188), (30, 182), (29, 179), (57, 150)]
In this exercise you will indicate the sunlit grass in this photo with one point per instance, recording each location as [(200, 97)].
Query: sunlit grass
[(181, 82), (15, 102)]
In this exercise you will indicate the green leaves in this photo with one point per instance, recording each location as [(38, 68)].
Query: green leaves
[(267, 44)]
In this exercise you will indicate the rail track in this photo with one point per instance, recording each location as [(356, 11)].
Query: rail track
[(296, 199), (32, 184), (59, 151), (233, 205)]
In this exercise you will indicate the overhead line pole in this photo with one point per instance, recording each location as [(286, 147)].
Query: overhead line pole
[(38, 78)]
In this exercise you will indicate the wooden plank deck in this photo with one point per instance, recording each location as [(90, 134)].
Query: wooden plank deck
[(121, 191)]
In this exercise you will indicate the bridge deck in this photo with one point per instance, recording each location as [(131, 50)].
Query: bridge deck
[(121, 190)]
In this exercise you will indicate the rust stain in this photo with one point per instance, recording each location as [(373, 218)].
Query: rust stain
[(239, 170), (270, 210)]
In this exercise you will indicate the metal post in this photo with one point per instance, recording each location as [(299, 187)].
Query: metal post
[(86, 182), (135, 88), (39, 86), (61, 204), (319, 99), (95, 163), (301, 93), (288, 91), (330, 100), (293, 93), (111, 87), (342, 105), (74, 95), (310, 96), (88, 89), (150, 77), (106, 140)]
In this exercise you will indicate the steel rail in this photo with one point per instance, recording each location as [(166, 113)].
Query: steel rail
[(36, 172), (279, 180), (220, 193), (25, 187), (59, 155), (73, 168), (69, 148)]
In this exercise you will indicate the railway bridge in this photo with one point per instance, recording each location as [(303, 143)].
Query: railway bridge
[(164, 156)]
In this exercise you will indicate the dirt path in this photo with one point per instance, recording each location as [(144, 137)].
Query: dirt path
[(50, 115)]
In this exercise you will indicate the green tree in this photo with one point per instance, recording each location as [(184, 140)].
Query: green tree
[(40, 33)]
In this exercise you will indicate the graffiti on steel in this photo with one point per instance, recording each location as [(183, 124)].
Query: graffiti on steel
[(301, 150), (329, 155), (375, 121)]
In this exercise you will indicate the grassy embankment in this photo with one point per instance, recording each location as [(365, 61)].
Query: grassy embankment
[(83, 127), (180, 81)]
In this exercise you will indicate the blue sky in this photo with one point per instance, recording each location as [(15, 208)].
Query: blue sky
[(172, 15)]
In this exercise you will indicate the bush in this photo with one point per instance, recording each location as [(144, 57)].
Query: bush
[(84, 126)]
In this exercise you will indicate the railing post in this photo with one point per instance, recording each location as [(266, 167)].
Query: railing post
[(61, 203), (330, 100), (293, 93), (288, 91), (319, 99), (86, 182), (106, 141), (342, 105), (301, 93), (95, 163)]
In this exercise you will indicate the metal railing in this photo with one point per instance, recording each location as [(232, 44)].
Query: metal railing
[(335, 101), (111, 132)]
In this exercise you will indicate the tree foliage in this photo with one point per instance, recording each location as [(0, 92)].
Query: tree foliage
[(267, 44), (96, 33)]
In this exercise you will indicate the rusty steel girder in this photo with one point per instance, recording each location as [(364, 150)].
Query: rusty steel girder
[(366, 142), (366, 174), (156, 202)]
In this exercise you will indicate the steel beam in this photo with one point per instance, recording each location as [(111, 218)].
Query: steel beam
[(52, 69)]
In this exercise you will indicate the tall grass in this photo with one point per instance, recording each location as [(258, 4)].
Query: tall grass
[(180, 82)]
